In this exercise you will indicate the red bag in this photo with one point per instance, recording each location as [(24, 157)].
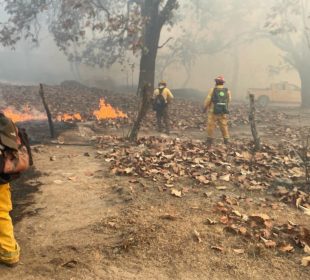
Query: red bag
[(16, 161), (15, 153)]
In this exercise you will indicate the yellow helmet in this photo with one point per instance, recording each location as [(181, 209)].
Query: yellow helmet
[(163, 83)]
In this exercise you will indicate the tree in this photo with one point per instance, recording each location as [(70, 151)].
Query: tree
[(288, 24)]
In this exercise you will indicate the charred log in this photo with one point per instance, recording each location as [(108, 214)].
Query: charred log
[(252, 120), (48, 112)]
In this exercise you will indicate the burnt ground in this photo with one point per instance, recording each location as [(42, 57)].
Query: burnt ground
[(23, 190), (75, 219)]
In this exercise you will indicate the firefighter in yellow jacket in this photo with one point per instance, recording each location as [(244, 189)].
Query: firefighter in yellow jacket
[(162, 98), (216, 104), (9, 249)]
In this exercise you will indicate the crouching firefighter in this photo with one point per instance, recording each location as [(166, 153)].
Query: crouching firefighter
[(15, 157), (162, 97), (216, 104)]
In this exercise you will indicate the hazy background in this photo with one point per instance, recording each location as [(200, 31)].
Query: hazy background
[(31, 65)]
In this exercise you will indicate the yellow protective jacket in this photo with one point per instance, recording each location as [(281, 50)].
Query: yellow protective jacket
[(208, 105), (168, 96)]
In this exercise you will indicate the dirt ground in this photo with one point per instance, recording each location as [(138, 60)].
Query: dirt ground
[(76, 220)]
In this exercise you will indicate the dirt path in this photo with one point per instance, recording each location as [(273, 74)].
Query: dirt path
[(85, 223)]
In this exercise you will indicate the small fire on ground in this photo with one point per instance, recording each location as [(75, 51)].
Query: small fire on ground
[(26, 115), (69, 117), (106, 111)]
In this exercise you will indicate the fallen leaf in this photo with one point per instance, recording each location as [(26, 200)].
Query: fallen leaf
[(214, 177), (224, 220), (281, 191), (169, 217), (58, 182), (269, 243), (128, 170), (305, 210), (287, 248), (243, 231), (221, 188), (53, 158), (210, 222), (208, 194), (72, 178), (225, 178), (70, 264), (202, 179), (176, 193), (237, 213), (112, 224), (292, 224), (233, 229), (197, 236), (307, 249), (217, 248), (259, 218), (61, 140), (298, 202), (256, 188), (239, 251), (305, 261)]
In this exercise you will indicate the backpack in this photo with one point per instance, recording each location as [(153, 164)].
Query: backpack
[(15, 151), (159, 103), (220, 101)]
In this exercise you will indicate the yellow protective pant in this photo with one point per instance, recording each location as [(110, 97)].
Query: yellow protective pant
[(222, 121), (9, 249)]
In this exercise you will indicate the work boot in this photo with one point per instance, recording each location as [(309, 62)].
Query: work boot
[(13, 260), (226, 141), (10, 265)]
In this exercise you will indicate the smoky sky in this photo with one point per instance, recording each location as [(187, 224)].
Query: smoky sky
[(29, 64)]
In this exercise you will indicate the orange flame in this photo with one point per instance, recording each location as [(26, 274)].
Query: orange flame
[(106, 111), (26, 115), (69, 117)]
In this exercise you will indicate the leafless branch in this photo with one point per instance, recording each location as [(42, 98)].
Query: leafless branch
[(165, 43)]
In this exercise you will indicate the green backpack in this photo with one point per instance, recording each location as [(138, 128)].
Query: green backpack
[(220, 101)]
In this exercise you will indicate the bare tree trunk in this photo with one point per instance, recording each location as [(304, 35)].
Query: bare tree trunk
[(252, 120), (152, 32), (144, 106), (305, 85), (151, 41), (48, 112)]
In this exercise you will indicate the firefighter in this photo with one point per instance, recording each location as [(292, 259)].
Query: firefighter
[(162, 97), (216, 104), (9, 249)]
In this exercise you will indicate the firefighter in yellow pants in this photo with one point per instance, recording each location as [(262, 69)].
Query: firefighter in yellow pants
[(9, 249), (216, 104)]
